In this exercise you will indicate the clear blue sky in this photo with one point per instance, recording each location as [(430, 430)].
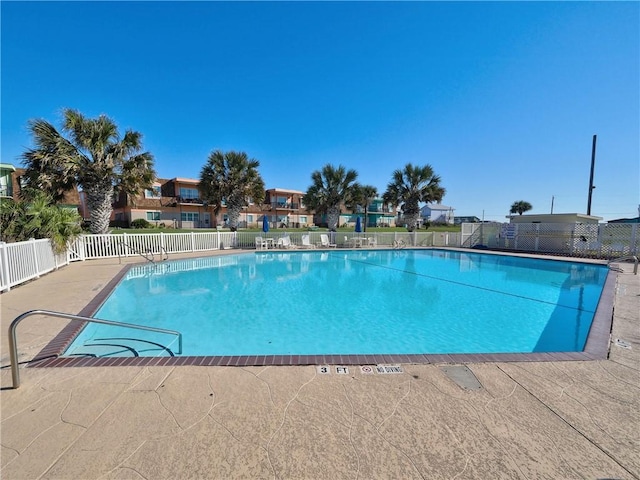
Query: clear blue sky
[(501, 99)]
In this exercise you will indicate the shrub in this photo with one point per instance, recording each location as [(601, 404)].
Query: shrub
[(140, 223)]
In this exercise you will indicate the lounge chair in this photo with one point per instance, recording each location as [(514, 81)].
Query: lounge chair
[(285, 242), (325, 243), (306, 242), (261, 244)]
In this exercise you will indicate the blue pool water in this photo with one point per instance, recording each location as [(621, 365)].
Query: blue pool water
[(350, 302)]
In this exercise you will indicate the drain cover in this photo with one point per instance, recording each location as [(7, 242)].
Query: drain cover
[(623, 344), (462, 376)]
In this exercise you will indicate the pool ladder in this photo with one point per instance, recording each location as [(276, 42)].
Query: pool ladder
[(13, 346), (147, 255), (625, 258)]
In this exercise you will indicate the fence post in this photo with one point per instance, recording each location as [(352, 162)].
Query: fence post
[(35, 256), (162, 247), (83, 248), (4, 271), (193, 242)]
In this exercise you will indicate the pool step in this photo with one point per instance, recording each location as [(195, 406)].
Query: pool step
[(120, 347)]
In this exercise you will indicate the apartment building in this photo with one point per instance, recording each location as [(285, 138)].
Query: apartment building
[(11, 184), (284, 209), (177, 203), (378, 214), (173, 203)]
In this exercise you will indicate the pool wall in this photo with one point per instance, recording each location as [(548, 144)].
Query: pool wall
[(596, 347)]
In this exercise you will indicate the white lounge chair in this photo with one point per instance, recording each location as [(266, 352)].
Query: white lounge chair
[(285, 242), (261, 244), (324, 241), (306, 242)]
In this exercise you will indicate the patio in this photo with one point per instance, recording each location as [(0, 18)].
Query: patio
[(527, 420)]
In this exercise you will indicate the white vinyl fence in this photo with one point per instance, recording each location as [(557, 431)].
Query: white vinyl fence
[(89, 247), (158, 245), (23, 261)]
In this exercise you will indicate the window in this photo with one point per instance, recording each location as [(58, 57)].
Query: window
[(5, 182), (190, 216), (153, 192), (153, 216), (250, 218), (303, 219), (189, 193)]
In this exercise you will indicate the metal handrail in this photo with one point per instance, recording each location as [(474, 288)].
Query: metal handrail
[(13, 346), (139, 252), (627, 257), (145, 255)]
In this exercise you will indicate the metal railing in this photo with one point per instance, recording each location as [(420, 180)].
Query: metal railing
[(147, 255), (13, 346), (625, 258)]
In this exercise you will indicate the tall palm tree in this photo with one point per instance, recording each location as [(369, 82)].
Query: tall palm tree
[(231, 178), (93, 156), (365, 195), (330, 188), (411, 186), (520, 207)]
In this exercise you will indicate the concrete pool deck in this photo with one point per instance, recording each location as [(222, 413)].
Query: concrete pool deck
[(576, 419)]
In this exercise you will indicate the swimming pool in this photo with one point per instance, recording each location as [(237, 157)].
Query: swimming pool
[(350, 302)]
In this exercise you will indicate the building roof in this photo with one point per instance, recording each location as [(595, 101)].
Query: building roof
[(437, 206), (185, 180), (285, 190), (625, 220), (554, 217)]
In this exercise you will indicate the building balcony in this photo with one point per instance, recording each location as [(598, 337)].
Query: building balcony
[(6, 192), (285, 205), (190, 201)]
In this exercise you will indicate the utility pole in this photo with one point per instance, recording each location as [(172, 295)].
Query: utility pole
[(593, 163)]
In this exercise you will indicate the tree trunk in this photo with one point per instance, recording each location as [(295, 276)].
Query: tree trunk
[(333, 216), (234, 207), (99, 199), (411, 215)]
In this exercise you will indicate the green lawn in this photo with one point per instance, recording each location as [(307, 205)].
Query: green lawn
[(438, 228)]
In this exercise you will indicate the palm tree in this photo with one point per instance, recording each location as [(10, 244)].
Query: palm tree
[(331, 188), (231, 178), (520, 207), (411, 186), (93, 157), (365, 195), (38, 218)]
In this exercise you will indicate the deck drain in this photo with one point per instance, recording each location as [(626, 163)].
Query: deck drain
[(621, 343), (462, 376)]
